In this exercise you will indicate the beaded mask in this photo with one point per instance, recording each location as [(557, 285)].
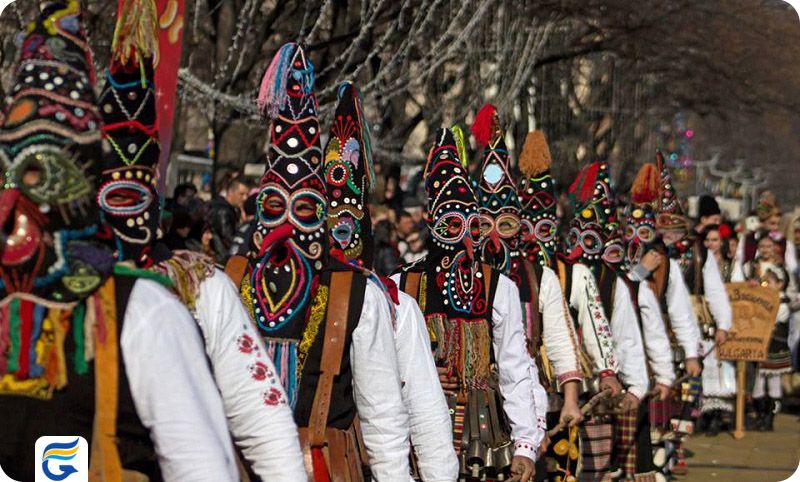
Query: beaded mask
[(537, 197), (349, 177), (50, 148), (290, 238), (640, 223), (127, 194), (499, 210), (671, 224), (454, 224), (591, 237)]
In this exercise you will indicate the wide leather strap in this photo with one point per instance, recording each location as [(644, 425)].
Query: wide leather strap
[(332, 353), (411, 286), (536, 319), (235, 268)]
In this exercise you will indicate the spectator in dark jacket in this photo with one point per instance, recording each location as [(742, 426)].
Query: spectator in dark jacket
[(241, 242), (225, 216)]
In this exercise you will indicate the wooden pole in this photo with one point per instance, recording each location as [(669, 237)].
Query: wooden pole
[(741, 368)]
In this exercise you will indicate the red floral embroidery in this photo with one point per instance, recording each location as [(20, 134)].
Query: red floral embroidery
[(246, 343), (273, 397), (259, 371)]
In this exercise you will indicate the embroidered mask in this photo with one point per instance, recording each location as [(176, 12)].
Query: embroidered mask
[(127, 194), (537, 197), (290, 238), (349, 177), (640, 222), (594, 209), (50, 148), (671, 224), (499, 210), (454, 224)]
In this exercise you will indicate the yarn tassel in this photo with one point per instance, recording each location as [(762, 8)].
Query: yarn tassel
[(14, 332), (486, 126), (461, 145), (583, 187), (35, 370), (136, 32), (645, 188), (26, 329), (5, 320), (272, 93), (535, 157), (78, 326)]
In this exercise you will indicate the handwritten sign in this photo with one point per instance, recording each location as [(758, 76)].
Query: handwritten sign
[(754, 311)]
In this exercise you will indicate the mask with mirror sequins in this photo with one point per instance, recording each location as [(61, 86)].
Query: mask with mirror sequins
[(538, 218), (499, 211), (454, 223), (127, 194), (290, 239), (349, 177), (593, 225), (50, 149)]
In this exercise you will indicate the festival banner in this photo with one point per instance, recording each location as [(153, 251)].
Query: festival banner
[(170, 40), (754, 311)]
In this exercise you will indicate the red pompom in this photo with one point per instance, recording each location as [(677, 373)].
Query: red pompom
[(725, 231), (485, 125)]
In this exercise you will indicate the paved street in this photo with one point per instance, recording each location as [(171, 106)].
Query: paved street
[(759, 457)]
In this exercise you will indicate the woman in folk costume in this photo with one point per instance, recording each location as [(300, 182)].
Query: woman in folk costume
[(87, 348), (552, 341), (769, 216), (649, 258), (258, 414), (327, 327), (537, 194), (473, 316), (643, 347), (349, 180)]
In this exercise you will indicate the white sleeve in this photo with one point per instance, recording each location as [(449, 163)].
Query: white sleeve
[(681, 316), (628, 342), (656, 339), (737, 275), (595, 329), (558, 332), (173, 389), (376, 389), (716, 295), (260, 420), (514, 369), (429, 416)]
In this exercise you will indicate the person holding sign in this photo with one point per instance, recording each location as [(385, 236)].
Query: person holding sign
[(767, 402)]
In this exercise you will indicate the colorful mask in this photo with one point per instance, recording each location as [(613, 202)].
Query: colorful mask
[(454, 224), (671, 223), (290, 239), (349, 177), (499, 209), (640, 225), (127, 194), (50, 148), (593, 201), (537, 197)]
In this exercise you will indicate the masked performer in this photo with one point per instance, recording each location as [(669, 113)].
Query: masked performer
[(473, 316), (651, 261), (349, 180), (327, 327), (258, 416), (552, 341), (539, 241), (641, 338), (87, 348)]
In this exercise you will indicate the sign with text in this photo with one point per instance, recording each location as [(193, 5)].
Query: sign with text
[(754, 311)]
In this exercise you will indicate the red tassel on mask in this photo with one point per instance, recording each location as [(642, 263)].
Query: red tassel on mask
[(320, 467), (583, 186), (485, 125)]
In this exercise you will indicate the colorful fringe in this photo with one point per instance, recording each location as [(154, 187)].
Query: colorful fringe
[(136, 32), (283, 354), (272, 94), (33, 333), (187, 270), (464, 346)]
